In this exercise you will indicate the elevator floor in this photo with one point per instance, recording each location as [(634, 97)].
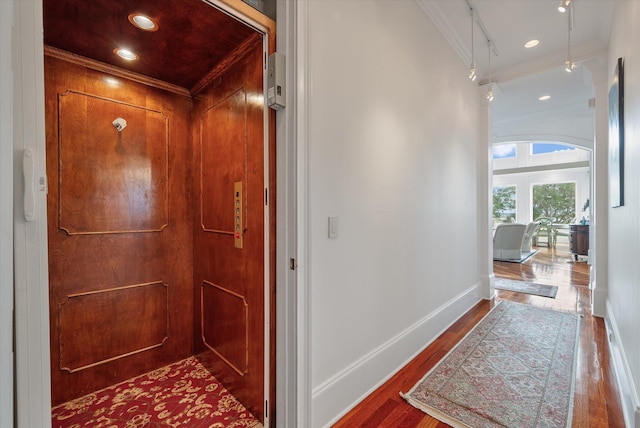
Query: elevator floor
[(183, 394)]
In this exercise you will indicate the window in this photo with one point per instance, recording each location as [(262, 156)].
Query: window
[(504, 204), (541, 148), (556, 201), (502, 151)]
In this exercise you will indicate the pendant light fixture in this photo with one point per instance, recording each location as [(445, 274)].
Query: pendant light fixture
[(490, 91), (569, 65), (472, 67)]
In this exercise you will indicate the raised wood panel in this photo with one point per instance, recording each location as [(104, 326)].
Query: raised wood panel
[(216, 260), (111, 181), (225, 325), (97, 327), (87, 263), (223, 145)]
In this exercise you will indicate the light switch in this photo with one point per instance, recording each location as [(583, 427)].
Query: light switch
[(333, 227)]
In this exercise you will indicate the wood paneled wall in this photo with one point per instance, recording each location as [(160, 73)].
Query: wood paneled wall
[(120, 228), (228, 136)]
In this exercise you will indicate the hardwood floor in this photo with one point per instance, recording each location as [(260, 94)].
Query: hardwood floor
[(596, 402)]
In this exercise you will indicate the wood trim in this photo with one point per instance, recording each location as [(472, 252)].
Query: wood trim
[(246, 11), (202, 167), (246, 320), (116, 357), (226, 63), (89, 293), (115, 71), (165, 209)]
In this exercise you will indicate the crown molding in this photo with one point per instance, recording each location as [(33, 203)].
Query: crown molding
[(442, 23)]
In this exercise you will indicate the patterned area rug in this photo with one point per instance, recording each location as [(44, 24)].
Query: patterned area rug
[(183, 394), (516, 368), (526, 287)]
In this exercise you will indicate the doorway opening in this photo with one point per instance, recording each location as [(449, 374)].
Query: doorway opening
[(160, 176), (547, 183)]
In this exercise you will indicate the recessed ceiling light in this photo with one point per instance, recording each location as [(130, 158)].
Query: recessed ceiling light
[(143, 22), (545, 97), (126, 54), (531, 43)]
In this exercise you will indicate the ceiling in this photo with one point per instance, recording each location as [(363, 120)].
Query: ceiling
[(523, 75), (192, 37)]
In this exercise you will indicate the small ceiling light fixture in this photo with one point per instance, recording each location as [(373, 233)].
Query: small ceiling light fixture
[(143, 22), (126, 54), (545, 98), (111, 81), (564, 5), (472, 67), (490, 91), (569, 65), (531, 43)]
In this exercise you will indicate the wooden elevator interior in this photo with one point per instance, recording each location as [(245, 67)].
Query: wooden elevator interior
[(154, 252)]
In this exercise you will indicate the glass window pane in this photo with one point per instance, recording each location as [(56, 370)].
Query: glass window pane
[(502, 151), (504, 204), (556, 201), (541, 148)]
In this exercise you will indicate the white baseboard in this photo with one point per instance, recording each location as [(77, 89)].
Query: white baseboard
[(490, 288), (334, 398), (622, 370), (599, 296)]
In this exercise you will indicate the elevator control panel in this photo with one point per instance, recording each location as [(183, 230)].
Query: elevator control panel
[(237, 214)]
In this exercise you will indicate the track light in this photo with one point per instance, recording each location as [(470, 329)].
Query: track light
[(472, 67), (490, 91), (564, 5), (569, 65)]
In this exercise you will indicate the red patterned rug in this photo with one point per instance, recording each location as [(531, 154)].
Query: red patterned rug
[(516, 368), (183, 394)]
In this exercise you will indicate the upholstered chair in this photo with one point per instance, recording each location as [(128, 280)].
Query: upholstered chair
[(529, 233), (507, 241)]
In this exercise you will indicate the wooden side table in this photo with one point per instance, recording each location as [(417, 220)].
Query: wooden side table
[(579, 240)]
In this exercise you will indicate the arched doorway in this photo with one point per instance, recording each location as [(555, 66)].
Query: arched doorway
[(548, 182)]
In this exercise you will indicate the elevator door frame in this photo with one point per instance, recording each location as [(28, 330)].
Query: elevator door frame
[(32, 369)]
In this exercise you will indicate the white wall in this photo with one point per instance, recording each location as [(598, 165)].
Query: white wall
[(623, 311), (393, 152), (576, 129), (6, 216)]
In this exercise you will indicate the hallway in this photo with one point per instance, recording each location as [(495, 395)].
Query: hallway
[(596, 402)]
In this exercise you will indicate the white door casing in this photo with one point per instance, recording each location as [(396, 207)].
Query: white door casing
[(30, 238), (6, 217)]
